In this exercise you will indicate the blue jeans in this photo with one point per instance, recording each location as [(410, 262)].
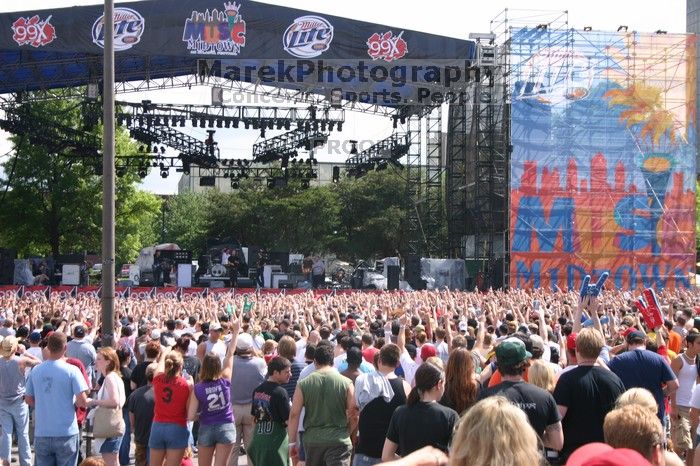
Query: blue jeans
[(56, 451), (364, 460), (14, 418), (126, 440)]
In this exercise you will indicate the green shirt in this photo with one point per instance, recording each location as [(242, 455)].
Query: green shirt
[(325, 400)]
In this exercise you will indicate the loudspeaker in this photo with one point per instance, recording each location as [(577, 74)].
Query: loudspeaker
[(358, 278), (286, 284), (279, 258), (413, 272), (392, 279), (207, 181), (7, 265), (244, 282)]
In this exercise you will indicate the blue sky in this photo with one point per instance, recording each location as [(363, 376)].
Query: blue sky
[(438, 17)]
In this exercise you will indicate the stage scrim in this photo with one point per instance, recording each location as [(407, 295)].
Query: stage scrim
[(603, 161)]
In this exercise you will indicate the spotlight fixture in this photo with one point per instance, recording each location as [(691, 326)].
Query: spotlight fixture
[(202, 123), (211, 122), (142, 172), (164, 173), (247, 124), (622, 28), (194, 123), (542, 27), (227, 123), (262, 132), (236, 122), (340, 126), (287, 125), (219, 124), (235, 184)]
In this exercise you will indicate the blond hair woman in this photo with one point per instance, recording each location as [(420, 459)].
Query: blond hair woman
[(541, 375), (494, 432)]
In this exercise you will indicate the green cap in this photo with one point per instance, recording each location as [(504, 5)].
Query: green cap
[(511, 352)]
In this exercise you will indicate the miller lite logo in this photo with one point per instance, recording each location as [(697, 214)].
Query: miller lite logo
[(128, 29), (308, 37)]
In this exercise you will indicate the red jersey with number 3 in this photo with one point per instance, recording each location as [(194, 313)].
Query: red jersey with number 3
[(171, 399)]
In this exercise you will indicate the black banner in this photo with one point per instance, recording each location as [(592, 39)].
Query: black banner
[(246, 41)]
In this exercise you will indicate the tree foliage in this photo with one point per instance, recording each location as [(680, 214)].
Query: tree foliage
[(53, 200), (353, 219)]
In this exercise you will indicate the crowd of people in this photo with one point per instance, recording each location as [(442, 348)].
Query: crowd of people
[(403, 378)]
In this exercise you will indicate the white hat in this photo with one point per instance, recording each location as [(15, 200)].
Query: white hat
[(155, 334), (244, 342), (463, 326)]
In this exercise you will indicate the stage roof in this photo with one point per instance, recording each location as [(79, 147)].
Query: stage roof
[(62, 47)]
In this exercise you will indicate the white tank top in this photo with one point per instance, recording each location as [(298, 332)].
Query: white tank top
[(686, 381), (218, 348)]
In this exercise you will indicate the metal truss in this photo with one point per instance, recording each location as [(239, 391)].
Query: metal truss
[(432, 205), (389, 150), (457, 180), (192, 150), (417, 238), (48, 133), (149, 114), (286, 145)]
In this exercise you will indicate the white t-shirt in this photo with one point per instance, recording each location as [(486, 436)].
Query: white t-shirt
[(695, 402), (409, 367)]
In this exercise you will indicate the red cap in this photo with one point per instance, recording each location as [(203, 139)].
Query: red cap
[(628, 330), (571, 342), (427, 351), (350, 323), (600, 454)]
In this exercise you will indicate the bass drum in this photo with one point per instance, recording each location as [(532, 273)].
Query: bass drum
[(218, 270)]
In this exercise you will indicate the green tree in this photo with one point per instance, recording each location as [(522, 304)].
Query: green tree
[(53, 202), (187, 220), (373, 215)]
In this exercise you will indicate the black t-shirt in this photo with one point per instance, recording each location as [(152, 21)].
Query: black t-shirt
[(416, 426), (538, 404), (142, 403), (270, 403), (374, 420), (588, 393), (126, 378), (138, 375), (191, 365)]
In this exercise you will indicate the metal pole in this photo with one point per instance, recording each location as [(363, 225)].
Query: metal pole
[(108, 180)]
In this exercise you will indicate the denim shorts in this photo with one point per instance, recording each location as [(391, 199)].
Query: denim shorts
[(110, 445), (211, 435), (168, 436)]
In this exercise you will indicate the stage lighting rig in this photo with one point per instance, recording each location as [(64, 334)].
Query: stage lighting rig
[(286, 144), (379, 156)]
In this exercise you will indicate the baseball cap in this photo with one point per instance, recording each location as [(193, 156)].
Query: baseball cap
[(350, 323), (537, 342), (601, 454), (244, 342), (35, 336), (79, 331), (8, 347), (628, 330), (511, 352), (215, 326), (155, 334), (427, 351), (571, 342), (463, 326), (636, 335)]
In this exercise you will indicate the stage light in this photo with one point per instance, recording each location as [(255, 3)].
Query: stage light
[(279, 124), (142, 172), (120, 171), (270, 183), (164, 173), (622, 28), (225, 174), (331, 125), (395, 121), (305, 184), (202, 123), (542, 27), (246, 123), (128, 120), (402, 119), (162, 149), (182, 122), (219, 124), (262, 132), (194, 122), (211, 122), (227, 123), (353, 147), (287, 125), (235, 184), (587, 29), (340, 126)]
